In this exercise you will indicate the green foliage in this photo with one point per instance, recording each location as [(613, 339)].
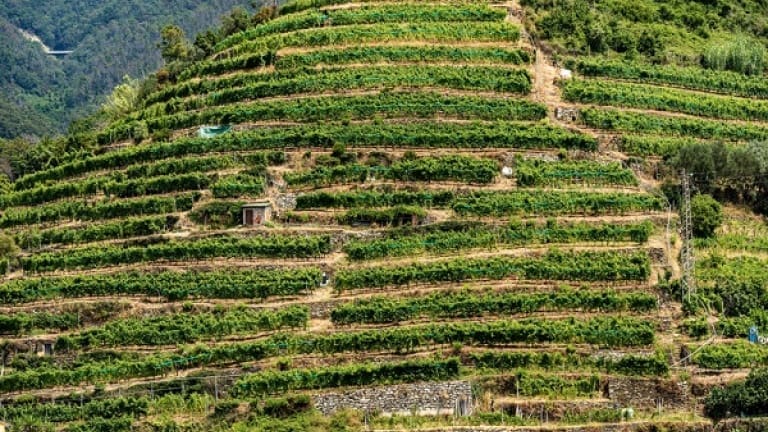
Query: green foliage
[(609, 331), (387, 104), (60, 412), (244, 86), (174, 286), (627, 365), (185, 328), (319, 200), (103, 184), (123, 99), (554, 265), (22, 323), (9, 250), (74, 210), (110, 39), (441, 168), (249, 183), (536, 384), (741, 54), (745, 398), (368, 14), (706, 215), (286, 407), (392, 216), (352, 54), (551, 203), (394, 32), (534, 172), (276, 246), (644, 96), (628, 121), (731, 355), (458, 237), (499, 134), (398, 54), (121, 424), (218, 214), (152, 161), (463, 304), (728, 173), (653, 145), (352, 375), (174, 46), (693, 78), (257, 85)]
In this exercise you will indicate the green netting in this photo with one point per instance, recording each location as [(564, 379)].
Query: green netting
[(213, 131)]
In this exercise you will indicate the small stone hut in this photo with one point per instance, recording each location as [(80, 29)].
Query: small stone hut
[(255, 214)]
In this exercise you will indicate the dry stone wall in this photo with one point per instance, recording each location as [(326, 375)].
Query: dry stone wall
[(426, 398)]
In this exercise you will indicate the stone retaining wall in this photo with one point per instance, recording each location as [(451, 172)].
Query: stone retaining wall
[(426, 398)]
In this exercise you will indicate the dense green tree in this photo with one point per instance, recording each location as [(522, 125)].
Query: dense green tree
[(739, 398), (173, 45), (40, 95), (706, 215)]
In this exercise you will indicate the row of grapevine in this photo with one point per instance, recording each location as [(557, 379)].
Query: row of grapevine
[(462, 304), (731, 355), (738, 268), (224, 283), (263, 383), (534, 172), (274, 246), (311, 81), (198, 164), (392, 216), (498, 134), (133, 227), (404, 54), (23, 323), (353, 55), (694, 78), (552, 203), (218, 214), (627, 121), (424, 105), (367, 14), (111, 408), (154, 160), (735, 241), (664, 99), (608, 331), (325, 200), (185, 327), (226, 88), (249, 183), (627, 365), (74, 210), (554, 265), (441, 168), (93, 185), (489, 237), (530, 384), (651, 145), (391, 32), (293, 6)]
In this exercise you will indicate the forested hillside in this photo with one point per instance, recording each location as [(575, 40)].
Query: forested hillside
[(40, 94)]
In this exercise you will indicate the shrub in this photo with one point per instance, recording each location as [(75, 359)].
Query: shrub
[(706, 215), (740, 54)]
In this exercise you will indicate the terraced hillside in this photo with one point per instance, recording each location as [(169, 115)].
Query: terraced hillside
[(443, 249)]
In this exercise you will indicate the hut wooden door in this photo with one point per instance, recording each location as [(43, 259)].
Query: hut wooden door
[(249, 217)]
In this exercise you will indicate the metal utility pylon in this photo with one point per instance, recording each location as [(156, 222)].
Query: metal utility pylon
[(688, 261)]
